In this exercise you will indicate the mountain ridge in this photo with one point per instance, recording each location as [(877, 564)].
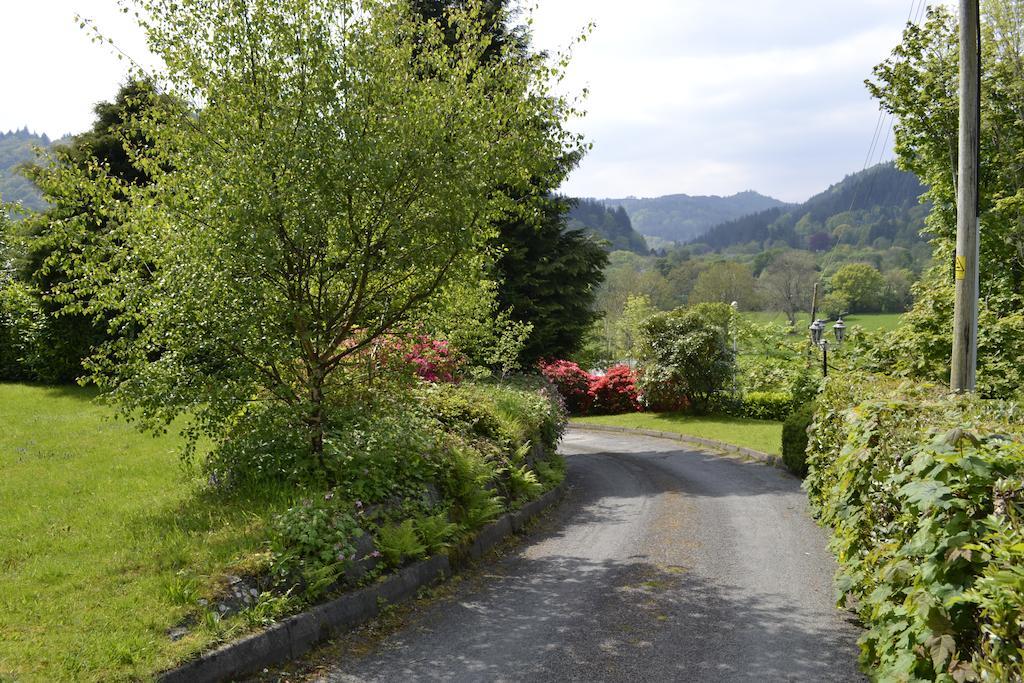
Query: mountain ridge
[(681, 217)]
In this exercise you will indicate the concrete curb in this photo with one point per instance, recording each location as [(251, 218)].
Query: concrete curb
[(298, 634), (768, 459)]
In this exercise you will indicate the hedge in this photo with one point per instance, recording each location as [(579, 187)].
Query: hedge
[(923, 492)]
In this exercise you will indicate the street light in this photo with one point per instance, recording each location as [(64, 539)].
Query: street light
[(840, 330), (817, 330)]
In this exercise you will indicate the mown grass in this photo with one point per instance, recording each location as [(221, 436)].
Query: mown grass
[(871, 322), (761, 435), (106, 541)]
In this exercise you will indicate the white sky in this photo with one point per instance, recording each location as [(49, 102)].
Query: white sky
[(690, 96)]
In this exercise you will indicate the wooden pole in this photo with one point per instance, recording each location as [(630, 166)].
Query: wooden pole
[(965, 315)]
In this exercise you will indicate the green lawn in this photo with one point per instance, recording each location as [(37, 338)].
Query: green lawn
[(871, 322), (760, 435), (105, 541)]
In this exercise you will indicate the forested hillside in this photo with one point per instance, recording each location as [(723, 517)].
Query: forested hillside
[(608, 224), (16, 149), (681, 218), (878, 208)]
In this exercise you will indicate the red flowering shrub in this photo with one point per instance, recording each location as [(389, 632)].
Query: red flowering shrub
[(614, 392), (584, 393), (572, 382), (433, 360)]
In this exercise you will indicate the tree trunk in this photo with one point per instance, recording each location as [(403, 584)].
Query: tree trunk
[(316, 420)]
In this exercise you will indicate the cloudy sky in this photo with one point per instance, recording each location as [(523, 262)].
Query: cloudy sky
[(687, 96)]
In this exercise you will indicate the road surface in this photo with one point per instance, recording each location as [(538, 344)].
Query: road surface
[(662, 564)]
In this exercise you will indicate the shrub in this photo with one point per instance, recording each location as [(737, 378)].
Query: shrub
[(435, 531), (433, 359), (767, 405), (313, 542), (923, 492), (685, 357), (794, 439), (614, 392), (572, 382), (399, 543)]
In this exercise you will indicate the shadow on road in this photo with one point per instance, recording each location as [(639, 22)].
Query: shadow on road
[(542, 619)]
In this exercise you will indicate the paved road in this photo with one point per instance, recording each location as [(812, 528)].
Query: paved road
[(662, 564)]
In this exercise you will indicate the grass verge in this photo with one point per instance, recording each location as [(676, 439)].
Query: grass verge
[(761, 435), (871, 322), (106, 541)]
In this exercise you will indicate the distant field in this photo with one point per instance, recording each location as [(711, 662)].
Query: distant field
[(761, 435), (871, 322)]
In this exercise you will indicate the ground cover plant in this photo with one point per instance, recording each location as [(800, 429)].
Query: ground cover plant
[(923, 494)]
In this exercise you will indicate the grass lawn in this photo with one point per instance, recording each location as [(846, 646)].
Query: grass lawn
[(761, 435), (871, 322), (105, 542)]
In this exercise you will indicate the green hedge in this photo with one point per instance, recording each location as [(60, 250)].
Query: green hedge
[(924, 495), (794, 439), (757, 405)]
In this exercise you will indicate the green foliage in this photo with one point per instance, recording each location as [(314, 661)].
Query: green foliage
[(355, 200), (794, 439), (685, 356), (435, 531), (922, 493), (549, 278), (523, 484), (725, 282), (468, 485), (399, 543), (551, 472), (766, 405), (919, 86), (860, 286), (313, 542)]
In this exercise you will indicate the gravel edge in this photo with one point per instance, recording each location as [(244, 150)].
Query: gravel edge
[(296, 635)]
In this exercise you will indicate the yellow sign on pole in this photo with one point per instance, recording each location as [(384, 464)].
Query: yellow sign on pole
[(961, 267)]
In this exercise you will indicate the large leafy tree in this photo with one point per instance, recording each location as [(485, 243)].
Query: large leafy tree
[(335, 170), (725, 282), (107, 148), (546, 275), (918, 85)]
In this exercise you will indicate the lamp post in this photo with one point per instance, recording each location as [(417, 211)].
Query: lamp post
[(817, 330)]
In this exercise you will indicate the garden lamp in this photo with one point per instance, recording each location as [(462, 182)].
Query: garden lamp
[(816, 329), (840, 330)]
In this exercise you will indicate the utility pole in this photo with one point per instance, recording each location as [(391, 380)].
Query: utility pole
[(965, 315)]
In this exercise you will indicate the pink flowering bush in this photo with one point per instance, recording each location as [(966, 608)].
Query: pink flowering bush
[(585, 393), (572, 382), (433, 360), (614, 392)]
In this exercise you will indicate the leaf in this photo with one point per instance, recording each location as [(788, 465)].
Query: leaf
[(941, 649), (925, 494)]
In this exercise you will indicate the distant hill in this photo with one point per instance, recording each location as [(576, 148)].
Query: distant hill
[(16, 149), (681, 218), (877, 207), (608, 224)]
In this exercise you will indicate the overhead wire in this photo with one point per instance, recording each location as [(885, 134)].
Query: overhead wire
[(915, 13)]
